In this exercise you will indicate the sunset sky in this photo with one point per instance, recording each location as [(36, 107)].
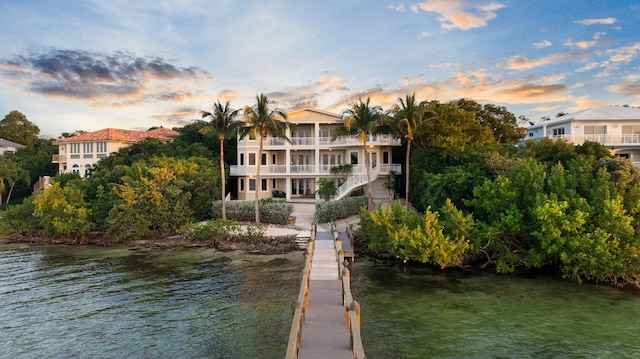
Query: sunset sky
[(91, 64)]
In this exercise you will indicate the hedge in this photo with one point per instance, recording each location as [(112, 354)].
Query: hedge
[(325, 211), (271, 212)]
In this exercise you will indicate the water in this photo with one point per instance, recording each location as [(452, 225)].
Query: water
[(86, 302), (419, 313)]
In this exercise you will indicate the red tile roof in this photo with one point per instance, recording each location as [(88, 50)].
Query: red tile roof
[(118, 135)]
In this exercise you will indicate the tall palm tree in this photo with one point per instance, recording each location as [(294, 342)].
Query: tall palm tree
[(362, 120), (223, 124), (261, 120), (410, 118)]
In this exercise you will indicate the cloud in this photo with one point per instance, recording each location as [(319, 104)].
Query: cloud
[(585, 44), (629, 88), (461, 14), (542, 44), (521, 63), (96, 77), (400, 7), (605, 21), (624, 54)]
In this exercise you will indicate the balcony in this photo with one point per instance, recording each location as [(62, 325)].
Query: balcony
[(607, 140), (58, 158), (307, 170), (325, 142)]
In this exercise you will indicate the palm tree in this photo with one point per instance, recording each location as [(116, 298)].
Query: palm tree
[(361, 120), (223, 124), (262, 120), (410, 118)]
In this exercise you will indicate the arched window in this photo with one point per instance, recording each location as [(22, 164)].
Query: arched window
[(87, 170), (75, 169)]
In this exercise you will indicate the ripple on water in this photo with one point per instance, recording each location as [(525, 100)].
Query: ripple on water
[(84, 302)]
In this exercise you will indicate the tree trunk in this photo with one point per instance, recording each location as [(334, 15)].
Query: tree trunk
[(9, 195), (224, 190), (406, 176), (257, 204), (366, 164)]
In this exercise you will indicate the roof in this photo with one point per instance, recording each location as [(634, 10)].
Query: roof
[(118, 135), (595, 113), (313, 110), (7, 143)]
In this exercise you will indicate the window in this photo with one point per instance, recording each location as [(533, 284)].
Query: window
[(630, 134), (264, 159), (595, 133), (75, 168), (242, 159), (273, 159), (74, 149), (273, 183), (264, 184), (385, 157), (87, 170), (101, 147), (252, 184), (241, 180), (354, 158), (87, 148), (530, 134), (252, 159), (598, 130), (558, 132)]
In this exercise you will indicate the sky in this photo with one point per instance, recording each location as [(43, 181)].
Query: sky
[(91, 64)]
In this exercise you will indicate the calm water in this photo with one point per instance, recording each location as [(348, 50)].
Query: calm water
[(417, 313), (83, 302)]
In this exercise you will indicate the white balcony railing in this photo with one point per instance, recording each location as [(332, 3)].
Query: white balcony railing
[(377, 140), (319, 170), (607, 140)]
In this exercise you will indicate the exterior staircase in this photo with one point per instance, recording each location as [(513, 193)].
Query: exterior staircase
[(354, 181)]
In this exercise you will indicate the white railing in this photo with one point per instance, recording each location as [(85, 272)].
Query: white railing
[(377, 140), (320, 170), (607, 140), (354, 181)]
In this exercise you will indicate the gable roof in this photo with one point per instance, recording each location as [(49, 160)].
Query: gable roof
[(7, 143), (595, 113), (308, 109), (118, 135)]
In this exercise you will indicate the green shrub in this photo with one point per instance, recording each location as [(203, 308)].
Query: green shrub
[(218, 228), (20, 219), (325, 211), (271, 211)]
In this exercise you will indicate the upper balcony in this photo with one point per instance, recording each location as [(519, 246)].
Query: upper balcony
[(307, 170), (325, 142), (607, 140), (58, 158)]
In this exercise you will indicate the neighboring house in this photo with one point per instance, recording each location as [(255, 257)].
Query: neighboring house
[(8, 146), (80, 153), (296, 167), (618, 128)]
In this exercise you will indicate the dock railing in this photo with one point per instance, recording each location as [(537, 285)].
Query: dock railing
[(299, 306), (352, 307)]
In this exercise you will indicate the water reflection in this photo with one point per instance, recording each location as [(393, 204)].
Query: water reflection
[(413, 312), (86, 302)]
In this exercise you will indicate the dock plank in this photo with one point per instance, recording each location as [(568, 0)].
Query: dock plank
[(325, 333)]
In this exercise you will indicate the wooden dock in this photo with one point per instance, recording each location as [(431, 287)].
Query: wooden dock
[(326, 321)]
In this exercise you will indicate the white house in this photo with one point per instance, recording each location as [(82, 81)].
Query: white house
[(8, 146), (80, 153), (616, 127), (296, 167)]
